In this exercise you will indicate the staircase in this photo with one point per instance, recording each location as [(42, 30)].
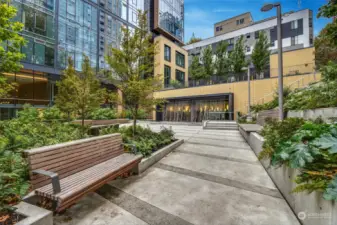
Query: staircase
[(220, 125)]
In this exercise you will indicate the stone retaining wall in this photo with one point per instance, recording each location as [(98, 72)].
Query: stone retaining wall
[(324, 113), (311, 209)]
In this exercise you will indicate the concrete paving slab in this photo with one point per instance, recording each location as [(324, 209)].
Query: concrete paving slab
[(219, 137), (222, 143), (218, 151), (202, 202), (242, 172), (96, 210)]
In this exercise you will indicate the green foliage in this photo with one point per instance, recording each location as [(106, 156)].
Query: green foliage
[(261, 53), (329, 72), (80, 91), (238, 57), (331, 191), (31, 129), (132, 65), (141, 115), (196, 71), (67, 90), (145, 140), (53, 113), (319, 95), (308, 146), (207, 62), (176, 84), (325, 49), (275, 132), (222, 63), (330, 11), (103, 114), (272, 104), (11, 43), (193, 40)]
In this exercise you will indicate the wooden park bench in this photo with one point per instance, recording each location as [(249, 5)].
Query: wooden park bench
[(66, 172)]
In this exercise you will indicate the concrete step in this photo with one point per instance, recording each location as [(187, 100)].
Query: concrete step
[(221, 128)]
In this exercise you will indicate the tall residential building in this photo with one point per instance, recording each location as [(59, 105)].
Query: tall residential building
[(55, 30), (167, 25)]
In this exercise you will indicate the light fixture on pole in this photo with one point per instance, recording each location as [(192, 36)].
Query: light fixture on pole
[(249, 115), (266, 8)]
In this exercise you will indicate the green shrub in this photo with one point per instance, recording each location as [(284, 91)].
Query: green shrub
[(319, 95), (142, 114), (103, 114), (309, 146), (145, 140), (28, 131), (53, 113)]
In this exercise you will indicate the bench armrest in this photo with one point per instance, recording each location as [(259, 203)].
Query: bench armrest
[(55, 181)]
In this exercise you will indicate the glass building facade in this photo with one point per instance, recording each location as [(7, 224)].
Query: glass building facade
[(55, 30), (171, 17)]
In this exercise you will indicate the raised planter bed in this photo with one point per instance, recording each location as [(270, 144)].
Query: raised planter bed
[(157, 156), (311, 209), (324, 113), (102, 122), (33, 215)]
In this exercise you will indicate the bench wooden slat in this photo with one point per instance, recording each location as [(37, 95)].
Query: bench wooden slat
[(82, 166), (86, 178)]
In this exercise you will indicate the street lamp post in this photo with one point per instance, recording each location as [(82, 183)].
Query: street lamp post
[(249, 116), (266, 8)]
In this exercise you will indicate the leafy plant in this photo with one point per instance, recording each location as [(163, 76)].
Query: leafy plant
[(193, 40), (132, 65), (103, 114), (309, 146), (141, 115), (238, 57), (261, 53), (222, 62), (176, 84), (145, 140)]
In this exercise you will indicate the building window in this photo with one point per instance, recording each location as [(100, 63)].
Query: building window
[(247, 48), (167, 76), (180, 59), (231, 41), (311, 41), (219, 28), (240, 21), (180, 76), (294, 40), (167, 53), (248, 36), (294, 24), (257, 34), (272, 44)]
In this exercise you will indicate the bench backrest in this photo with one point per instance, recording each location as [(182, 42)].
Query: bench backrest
[(71, 157)]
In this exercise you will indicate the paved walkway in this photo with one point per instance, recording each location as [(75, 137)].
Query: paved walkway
[(213, 178)]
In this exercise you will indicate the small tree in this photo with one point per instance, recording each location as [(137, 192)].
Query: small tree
[(238, 58), (193, 40), (90, 95), (325, 49), (222, 64), (207, 62), (261, 53), (11, 43), (330, 11), (195, 69), (133, 67), (67, 90)]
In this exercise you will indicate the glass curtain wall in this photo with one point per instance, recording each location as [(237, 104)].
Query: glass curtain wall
[(77, 33), (171, 17), (197, 110), (38, 18)]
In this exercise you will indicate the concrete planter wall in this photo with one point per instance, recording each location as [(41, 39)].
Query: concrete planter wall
[(324, 113), (311, 209), (157, 156), (34, 215)]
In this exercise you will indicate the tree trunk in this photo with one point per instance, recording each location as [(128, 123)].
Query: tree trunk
[(68, 116), (83, 117), (135, 120)]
